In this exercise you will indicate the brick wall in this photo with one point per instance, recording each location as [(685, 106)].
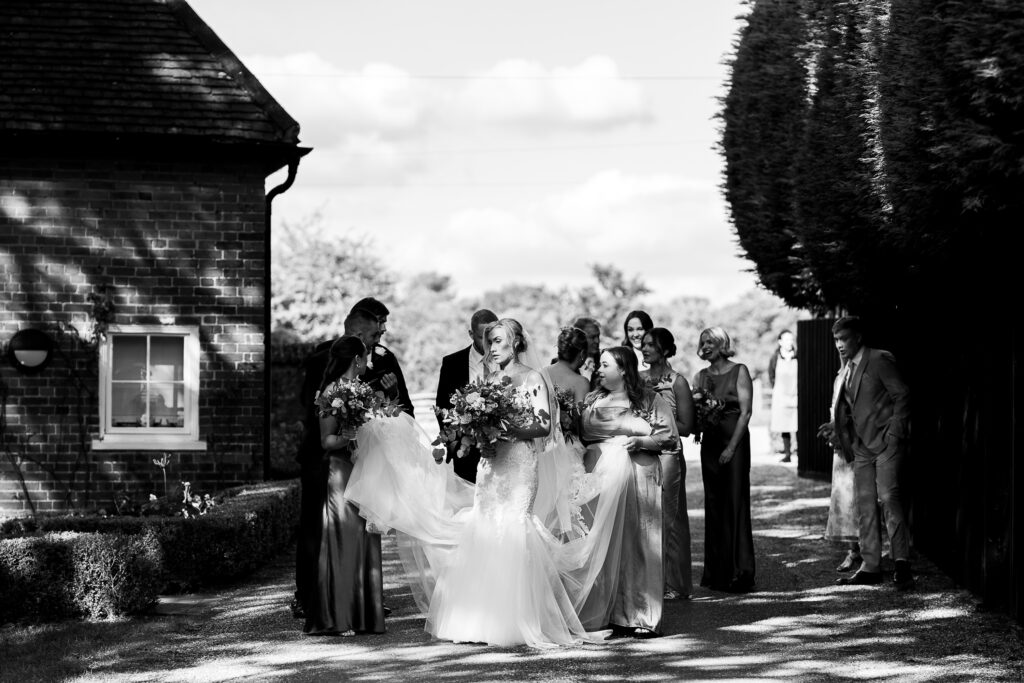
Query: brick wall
[(173, 243)]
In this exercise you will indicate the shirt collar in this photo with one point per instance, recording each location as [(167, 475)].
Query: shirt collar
[(475, 357)]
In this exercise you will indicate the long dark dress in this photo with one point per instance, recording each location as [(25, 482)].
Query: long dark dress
[(349, 592), (728, 537)]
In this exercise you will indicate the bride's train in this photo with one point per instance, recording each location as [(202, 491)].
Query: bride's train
[(522, 557)]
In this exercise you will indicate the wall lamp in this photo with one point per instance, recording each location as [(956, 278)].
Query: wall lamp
[(30, 351)]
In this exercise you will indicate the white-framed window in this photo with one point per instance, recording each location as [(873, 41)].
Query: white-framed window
[(149, 388)]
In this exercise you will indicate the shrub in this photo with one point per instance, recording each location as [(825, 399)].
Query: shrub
[(254, 522), (70, 574)]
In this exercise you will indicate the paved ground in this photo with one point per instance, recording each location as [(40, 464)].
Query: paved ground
[(797, 626)]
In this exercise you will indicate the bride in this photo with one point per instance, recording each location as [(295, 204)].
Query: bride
[(483, 565)]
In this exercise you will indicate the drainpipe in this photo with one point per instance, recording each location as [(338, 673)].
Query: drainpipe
[(293, 167)]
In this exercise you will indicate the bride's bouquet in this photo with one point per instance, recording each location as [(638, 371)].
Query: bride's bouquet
[(709, 413), (568, 414), (481, 414), (353, 403)]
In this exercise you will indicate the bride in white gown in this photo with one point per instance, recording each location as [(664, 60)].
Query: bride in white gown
[(488, 563)]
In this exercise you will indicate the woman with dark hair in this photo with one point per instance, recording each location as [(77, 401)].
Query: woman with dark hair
[(349, 595), (564, 373), (725, 464), (627, 426), (636, 325), (659, 345)]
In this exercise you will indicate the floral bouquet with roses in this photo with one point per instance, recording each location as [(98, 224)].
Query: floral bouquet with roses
[(568, 414), (709, 412), (482, 413), (353, 403)]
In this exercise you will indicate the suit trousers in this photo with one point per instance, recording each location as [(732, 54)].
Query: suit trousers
[(876, 479)]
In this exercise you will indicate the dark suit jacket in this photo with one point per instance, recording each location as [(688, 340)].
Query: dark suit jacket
[(310, 450), (384, 361), (878, 411), (455, 375)]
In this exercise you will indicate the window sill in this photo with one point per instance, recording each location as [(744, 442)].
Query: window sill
[(152, 442)]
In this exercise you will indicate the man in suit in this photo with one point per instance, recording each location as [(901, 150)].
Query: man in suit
[(871, 412), (383, 372), (592, 329), (457, 370), (313, 473)]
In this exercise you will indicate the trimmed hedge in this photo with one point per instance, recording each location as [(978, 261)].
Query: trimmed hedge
[(70, 574), (252, 524)]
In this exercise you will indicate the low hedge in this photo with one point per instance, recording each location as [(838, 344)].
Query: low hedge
[(252, 524), (71, 574)]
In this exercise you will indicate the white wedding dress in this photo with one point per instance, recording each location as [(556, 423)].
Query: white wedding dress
[(509, 561)]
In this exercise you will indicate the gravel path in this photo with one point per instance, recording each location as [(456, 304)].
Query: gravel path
[(798, 626)]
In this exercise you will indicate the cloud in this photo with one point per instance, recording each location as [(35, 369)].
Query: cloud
[(365, 159), (331, 103), (518, 92), (669, 230)]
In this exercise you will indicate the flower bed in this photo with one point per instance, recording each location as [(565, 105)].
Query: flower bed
[(251, 525)]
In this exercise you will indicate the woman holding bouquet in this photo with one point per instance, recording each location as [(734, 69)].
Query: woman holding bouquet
[(489, 572), (725, 464), (627, 426), (659, 345), (349, 595)]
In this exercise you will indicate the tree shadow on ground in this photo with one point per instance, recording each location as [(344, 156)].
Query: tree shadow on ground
[(797, 625)]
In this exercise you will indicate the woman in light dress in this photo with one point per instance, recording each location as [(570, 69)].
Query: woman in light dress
[(659, 345)]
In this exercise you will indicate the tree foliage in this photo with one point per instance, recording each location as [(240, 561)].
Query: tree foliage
[(893, 160)]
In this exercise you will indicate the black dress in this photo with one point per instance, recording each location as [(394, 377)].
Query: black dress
[(349, 591), (728, 536)]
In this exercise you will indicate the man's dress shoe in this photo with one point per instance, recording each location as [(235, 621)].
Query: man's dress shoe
[(902, 577)]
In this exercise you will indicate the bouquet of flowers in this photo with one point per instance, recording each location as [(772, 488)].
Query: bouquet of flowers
[(353, 403), (709, 412), (481, 413), (568, 414)]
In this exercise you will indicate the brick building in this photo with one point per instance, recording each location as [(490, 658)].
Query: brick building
[(134, 235)]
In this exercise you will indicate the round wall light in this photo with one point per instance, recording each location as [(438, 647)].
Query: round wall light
[(30, 351)]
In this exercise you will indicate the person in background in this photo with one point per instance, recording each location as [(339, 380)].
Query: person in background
[(635, 326), (782, 375), (592, 329), (564, 372), (871, 425), (457, 370)]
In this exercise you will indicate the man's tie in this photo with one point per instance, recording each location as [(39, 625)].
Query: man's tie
[(848, 381)]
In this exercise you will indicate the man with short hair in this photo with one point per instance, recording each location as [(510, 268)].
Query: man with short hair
[(383, 372), (592, 329), (871, 411), (457, 370)]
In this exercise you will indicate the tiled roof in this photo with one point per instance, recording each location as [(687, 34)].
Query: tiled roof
[(128, 67)]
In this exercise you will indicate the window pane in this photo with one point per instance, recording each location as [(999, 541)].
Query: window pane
[(166, 405), (129, 357), (128, 405), (167, 358)]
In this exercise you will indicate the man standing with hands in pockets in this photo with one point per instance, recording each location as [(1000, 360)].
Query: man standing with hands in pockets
[(870, 427)]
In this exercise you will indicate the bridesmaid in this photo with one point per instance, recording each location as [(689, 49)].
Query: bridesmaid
[(725, 464), (659, 345), (564, 373), (632, 585), (637, 324), (349, 595)]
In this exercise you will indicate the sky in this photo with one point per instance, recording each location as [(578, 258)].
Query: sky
[(498, 141)]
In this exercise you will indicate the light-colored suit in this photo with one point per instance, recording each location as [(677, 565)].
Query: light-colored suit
[(871, 422)]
